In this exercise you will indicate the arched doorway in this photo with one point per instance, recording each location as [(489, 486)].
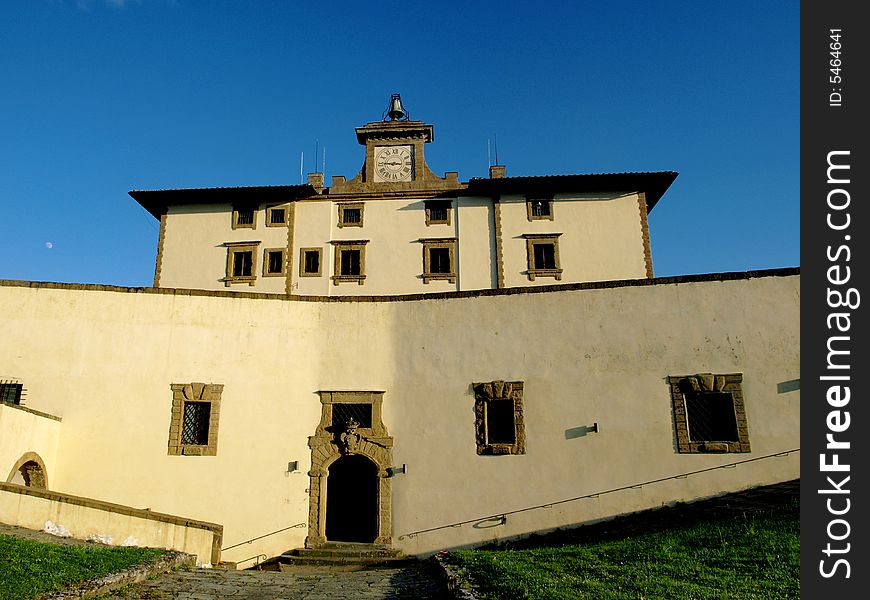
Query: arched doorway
[(352, 500)]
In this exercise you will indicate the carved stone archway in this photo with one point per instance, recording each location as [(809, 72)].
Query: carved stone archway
[(363, 433), (32, 468)]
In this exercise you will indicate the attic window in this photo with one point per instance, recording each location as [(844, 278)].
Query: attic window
[(350, 215), (244, 217), (539, 209), (438, 212), (276, 217)]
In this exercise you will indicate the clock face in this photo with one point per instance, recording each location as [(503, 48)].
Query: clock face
[(394, 163)]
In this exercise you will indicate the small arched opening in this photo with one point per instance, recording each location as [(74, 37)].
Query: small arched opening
[(29, 471)]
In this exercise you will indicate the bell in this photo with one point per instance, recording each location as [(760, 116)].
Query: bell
[(396, 110)]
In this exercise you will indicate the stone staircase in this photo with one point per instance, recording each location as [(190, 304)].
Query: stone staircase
[(338, 556)]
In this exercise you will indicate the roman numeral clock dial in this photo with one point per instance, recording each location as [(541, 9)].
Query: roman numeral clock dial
[(394, 163)]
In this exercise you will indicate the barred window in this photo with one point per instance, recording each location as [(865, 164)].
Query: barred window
[(709, 413), (195, 427), (342, 413), (277, 216), (245, 216), (539, 209), (350, 215), (10, 392)]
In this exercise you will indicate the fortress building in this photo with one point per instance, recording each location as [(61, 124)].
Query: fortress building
[(397, 359)]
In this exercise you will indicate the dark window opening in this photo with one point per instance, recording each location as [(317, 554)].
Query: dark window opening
[(194, 429), (351, 216), (312, 262), (277, 216), (342, 413), (711, 417), (439, 260), (11, 392), (276, 261), (245, 216), (545, 256), (540, 208), (243, 264), (500, 425), (350, 262)]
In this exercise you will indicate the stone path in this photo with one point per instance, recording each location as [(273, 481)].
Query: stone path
[(415, 580)]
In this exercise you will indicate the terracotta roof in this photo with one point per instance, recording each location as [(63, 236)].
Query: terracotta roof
[(654, 184), (156, 201)]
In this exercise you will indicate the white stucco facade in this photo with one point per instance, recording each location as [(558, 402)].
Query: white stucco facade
[(593, 354)]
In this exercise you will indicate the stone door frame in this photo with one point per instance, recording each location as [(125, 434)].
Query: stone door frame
[(327, 446)]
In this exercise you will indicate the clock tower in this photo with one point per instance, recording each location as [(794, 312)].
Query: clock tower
[(394, 159)]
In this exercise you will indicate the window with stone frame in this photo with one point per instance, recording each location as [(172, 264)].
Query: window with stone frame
[(439, 259), (11, 391), (276, 216), (193, 428), (245, 216), (542, 252), (241, 262), (350, 262), (350, 214), (438, 212), (539, 209), (709, 413), (499, 425), (310, 262), (273, 262)]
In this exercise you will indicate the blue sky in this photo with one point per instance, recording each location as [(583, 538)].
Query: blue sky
[(103, 96)]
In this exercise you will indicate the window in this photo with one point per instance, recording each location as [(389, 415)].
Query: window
[(350, 263), (438, 212), (273, 262), (498, 409), (543, 255), (10, 392), (276, 216), (539, 209), (309, 262), (350, 214), (709, 413), (245, 216), (241, 262), (193, 427), (359, 412), (439, 259)]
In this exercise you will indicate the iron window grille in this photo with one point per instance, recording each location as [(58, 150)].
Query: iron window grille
[(194, 429), (342, 413), (10, 392), (709, 413)]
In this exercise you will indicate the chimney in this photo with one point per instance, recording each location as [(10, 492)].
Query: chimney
[(496, 171), (315, 180)]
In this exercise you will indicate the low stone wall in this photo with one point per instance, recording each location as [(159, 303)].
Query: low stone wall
[(86, 518)]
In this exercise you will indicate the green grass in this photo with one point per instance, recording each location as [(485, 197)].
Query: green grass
[(733, 554), (29, 568)]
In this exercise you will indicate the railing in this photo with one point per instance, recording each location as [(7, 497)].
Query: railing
[(256, 564), (501, 518), (260, 537)]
